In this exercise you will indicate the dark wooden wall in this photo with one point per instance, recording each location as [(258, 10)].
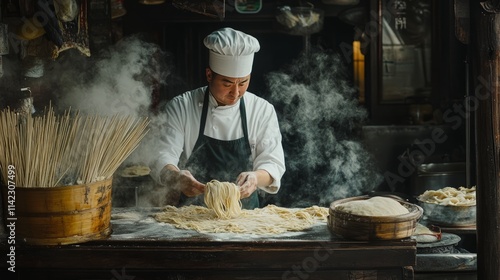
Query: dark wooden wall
[(485, 90)]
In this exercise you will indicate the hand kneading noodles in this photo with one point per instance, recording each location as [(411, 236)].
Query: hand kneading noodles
[(450, 196), (375, 206), (260, 221), (223, 198)]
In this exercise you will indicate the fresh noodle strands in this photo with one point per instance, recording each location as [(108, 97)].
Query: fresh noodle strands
[(450, 196), (223, 198), (270, 220)]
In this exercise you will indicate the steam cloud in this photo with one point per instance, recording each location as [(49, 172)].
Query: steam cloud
[(120, 81), (317, 109), (319, 116)]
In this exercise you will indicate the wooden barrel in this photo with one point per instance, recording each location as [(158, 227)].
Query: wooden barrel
[(63, 215), (358, 227)]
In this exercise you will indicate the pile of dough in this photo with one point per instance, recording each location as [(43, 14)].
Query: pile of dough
[(374, 206), (260, 221), (423, 234), (450, 196)]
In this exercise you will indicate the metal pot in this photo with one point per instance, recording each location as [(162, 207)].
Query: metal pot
[(434, 176), (130, 186)]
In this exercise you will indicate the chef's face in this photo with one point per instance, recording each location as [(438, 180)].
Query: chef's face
[(226, 90)]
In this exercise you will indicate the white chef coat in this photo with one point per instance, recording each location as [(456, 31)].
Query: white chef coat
[(181, 130)]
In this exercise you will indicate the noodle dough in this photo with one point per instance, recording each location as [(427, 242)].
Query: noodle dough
[(375, 206)]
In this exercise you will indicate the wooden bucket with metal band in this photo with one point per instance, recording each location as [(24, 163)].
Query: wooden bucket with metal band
[(61, 215)]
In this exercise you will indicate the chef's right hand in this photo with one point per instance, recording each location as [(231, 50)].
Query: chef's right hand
[(189, 185), (182, 180)]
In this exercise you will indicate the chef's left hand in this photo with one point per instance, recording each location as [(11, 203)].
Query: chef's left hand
[(247, 181)]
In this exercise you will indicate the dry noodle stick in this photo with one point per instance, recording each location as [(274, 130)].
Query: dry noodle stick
[(4, 157), (43, 126), (3, 142), (33, 142), (111, 150), (92, 164), (8, 121), (64, 145), (128, 145), (26, 126), (84, 149), (75, 154), (21, 169), (20, 129), (104, 139), (47, 148), (100, 147), (20, 174), (127, 138), (114, 161), (47, 151), (69, 127), (95, 130), (41, 150), (48, 140), (31, 150), (26, 136)]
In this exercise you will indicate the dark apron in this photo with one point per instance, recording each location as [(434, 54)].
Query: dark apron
[(220, 160)]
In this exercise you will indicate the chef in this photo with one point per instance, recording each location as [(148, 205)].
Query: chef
[(222, 131)]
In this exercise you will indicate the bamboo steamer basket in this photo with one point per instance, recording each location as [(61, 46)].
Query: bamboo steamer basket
[(63, 215), (369, 228)]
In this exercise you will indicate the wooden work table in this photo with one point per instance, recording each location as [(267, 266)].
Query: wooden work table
[(141, 248)]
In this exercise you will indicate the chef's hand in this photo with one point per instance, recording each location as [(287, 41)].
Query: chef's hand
[(182, 180), (189, 185), (248, 182)]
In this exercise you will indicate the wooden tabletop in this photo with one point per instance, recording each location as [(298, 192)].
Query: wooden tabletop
[(143, 245)]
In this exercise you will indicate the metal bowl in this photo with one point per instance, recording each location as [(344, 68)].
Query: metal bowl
[(449, 215)]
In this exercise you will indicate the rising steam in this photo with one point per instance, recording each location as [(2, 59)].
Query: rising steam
[(119, 80), (317, 109), (319, 117)]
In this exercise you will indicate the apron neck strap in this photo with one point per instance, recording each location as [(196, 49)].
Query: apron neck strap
[(204, 113)]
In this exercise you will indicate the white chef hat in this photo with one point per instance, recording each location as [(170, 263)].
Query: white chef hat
[(231, 52)]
